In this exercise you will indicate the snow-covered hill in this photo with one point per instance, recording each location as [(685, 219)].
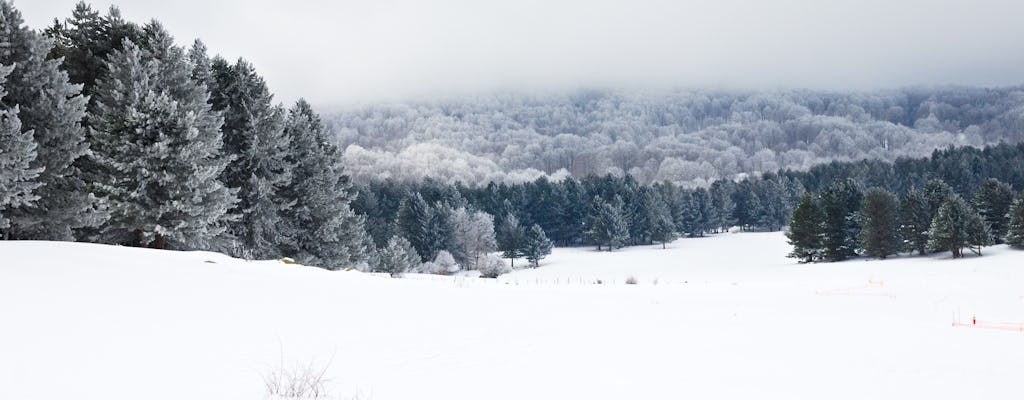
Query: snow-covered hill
[(729, 317)]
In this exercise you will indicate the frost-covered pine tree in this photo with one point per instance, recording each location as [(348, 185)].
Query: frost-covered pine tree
[(158, 144), (52, 108), (17, 151), (320, 226), (536, 245), (1015, 230), (255, 139), (663, 228), (398, 257)]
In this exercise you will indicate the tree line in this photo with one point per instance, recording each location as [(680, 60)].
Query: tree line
[(111, 133)]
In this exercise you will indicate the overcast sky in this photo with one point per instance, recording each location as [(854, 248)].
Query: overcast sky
[(357, 51)]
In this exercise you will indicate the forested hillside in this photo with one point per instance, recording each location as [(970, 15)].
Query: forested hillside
[(687, 137)]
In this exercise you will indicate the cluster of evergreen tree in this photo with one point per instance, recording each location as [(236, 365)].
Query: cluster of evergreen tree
[(110, 132), (842, 221), (608, 212)]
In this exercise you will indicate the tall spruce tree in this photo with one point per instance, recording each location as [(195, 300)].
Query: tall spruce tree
[(915, 221), (992, 200), (414, 223), (321, 228), (52, 108), (536, 245), (805, 229), (17, 151), (956, 226), (1015, 229), (840, 204), (663, 228), (879, 213), (510, 237), (86, 40), (158, 143), (255, 139)]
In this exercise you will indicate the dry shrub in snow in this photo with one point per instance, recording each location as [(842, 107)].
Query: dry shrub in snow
[(491, 266), (631, 280), (304, 382)]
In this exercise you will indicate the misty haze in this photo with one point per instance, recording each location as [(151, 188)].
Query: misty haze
[(458, 199)]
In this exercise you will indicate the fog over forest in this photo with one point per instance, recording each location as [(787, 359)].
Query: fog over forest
[(686, 137)]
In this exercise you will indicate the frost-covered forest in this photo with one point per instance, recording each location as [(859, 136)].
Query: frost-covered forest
[(686, 137)]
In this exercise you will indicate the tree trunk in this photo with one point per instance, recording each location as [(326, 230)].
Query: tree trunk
[(160, 242)]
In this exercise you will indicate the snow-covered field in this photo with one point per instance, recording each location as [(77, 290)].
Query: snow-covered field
[(728, 317)]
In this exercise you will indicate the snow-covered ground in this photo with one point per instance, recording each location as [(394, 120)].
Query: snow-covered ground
[(729, 317)]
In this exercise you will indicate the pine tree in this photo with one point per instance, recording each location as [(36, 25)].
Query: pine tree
[(322, 229), (86, 40), (1015, 230), (915, 221), (158, 143), (413, 223), (879, 214), (840, 204), (805, 229), (992, 200), (615, 223), (936, 192), (958, 225), (536, 245), (17, 151), (510, 238), (398, 257), (53, 109), (255, 139), (663, 228)]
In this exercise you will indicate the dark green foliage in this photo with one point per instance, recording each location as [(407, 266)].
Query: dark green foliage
[(992, 200), (536, 245), (958, 225), (805, 229), (606, 225), (511, 238), (1015, 230), (915, 221), (17, 151), (879, 213), (662, 228), (86, 40), (840, 204), (414, 224)]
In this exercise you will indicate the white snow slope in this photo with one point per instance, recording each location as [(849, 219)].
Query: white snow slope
[(730, 317)]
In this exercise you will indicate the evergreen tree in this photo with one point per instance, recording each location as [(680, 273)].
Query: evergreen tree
[(159, 142), (915, 221), (322, 229), (17, 151), (52, 108), (805, 229), (958, 225), (1015, 230), (936, 192), (255, 139), (86, 40), (536, 245), (398, 257), (879, 214), (840, 204), (510, 238), (663, 228), (413, 223), (992, 200)]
